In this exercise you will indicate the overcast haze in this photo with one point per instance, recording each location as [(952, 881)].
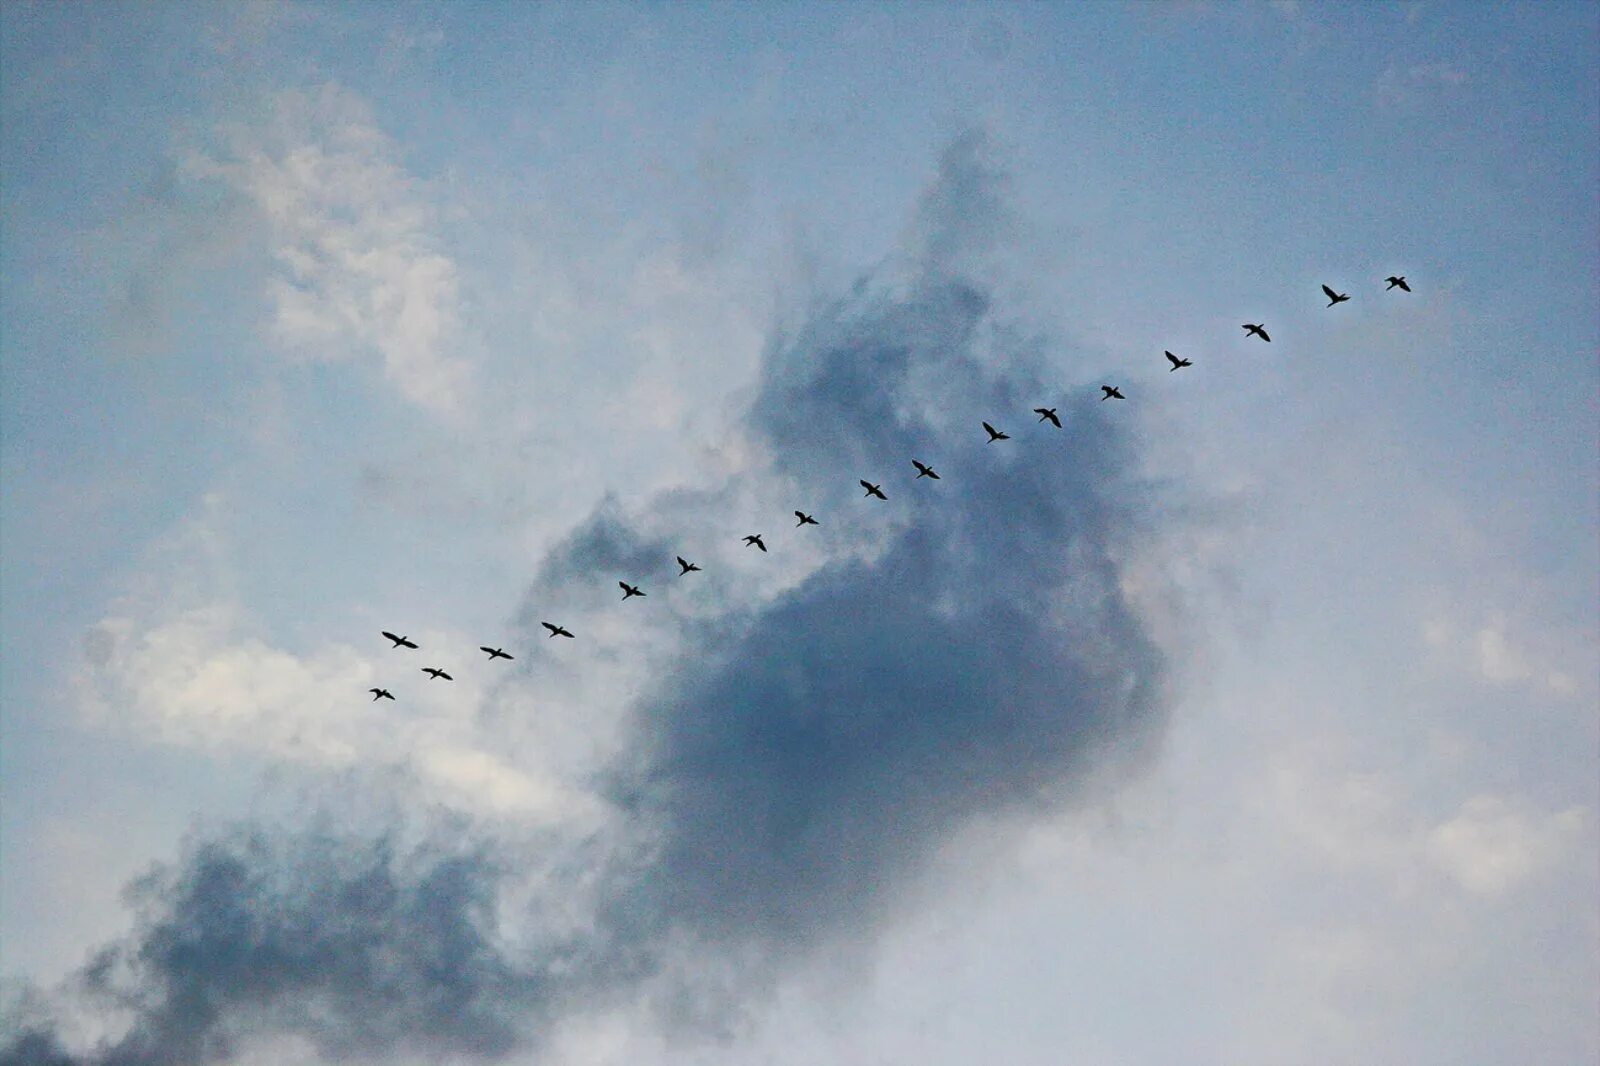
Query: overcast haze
[(1250, 720)]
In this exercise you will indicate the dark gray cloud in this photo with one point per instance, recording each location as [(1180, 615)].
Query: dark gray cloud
[(973, 656)]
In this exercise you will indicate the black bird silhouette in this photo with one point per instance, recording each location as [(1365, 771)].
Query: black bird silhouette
[(436, 673), (873, 490), (629, 590), (555, 631), (1176, 362), (399, 642), (922, 471), (687, 566), (1397, 281), (1111, 393), (1335, 297), (380, 694), (995, 434), (1258, 329), (754, 541), (1048, 414), (494, 653), (805, 519)]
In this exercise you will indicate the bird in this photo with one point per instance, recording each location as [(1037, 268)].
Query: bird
[(873, 490), (629, 591), (1397, 281), (1335, 297), (1258, 329), (805, 520), (380, 694), (1111, 393), (754, 541), (922, 471), (494, 653), (688, 567), (436, 673), (399, 642), (995, 434), (1177, 364), (555, 631), (1048, 414)]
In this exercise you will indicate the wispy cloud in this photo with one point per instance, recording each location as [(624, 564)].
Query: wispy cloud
[(790, 770), (359, 268)]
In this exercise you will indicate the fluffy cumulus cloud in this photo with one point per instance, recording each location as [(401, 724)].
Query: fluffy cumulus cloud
[(358, 267), (968, 649)]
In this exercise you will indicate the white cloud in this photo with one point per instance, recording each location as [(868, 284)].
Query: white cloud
[(351, 231), (1493, 845), (1404, 86)]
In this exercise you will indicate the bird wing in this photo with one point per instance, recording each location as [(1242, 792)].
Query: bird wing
[(866, 485), (487, 649), (551, 628), (1172, 358), (391, 636), (1331, 294), (1404, 286), (1264, 336), (991, 429)]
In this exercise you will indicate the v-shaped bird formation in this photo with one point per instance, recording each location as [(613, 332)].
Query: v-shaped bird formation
[(873, 491)]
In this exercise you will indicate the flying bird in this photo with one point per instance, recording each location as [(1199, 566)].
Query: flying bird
[(754, 541), (1177, 364), (805, 520), (380, 694), (873, 490), (1111, 393), (995, 434), (436, 673), (688, 567), (555, 631), (1397, 281), (399, 642), (494, 653), (1335, 297), (629, 591), (1258, 329), (1048, 414), (922, 471)]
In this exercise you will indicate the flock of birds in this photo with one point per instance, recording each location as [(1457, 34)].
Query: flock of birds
[(1046, 414)]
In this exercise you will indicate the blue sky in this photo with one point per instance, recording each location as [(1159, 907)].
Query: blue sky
[(1261, 726)]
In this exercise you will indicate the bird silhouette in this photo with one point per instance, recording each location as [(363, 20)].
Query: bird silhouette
[(399, 642), (1048, 414), (1176, 362), (1397, 281), (754, 541), (436, 673), (922, 471), (1335, 297), (1111, 393), (688, 567), (629, 591), (995, 434), (555, 631), (805, 520), (494, 653), (1256, 329), (380, 694), (873, 490)]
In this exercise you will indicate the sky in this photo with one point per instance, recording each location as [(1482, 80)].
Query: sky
[(1252, 719)]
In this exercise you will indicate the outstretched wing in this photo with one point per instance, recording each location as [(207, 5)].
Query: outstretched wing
[(1174, 360), (391, 636), (1331, 294)]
